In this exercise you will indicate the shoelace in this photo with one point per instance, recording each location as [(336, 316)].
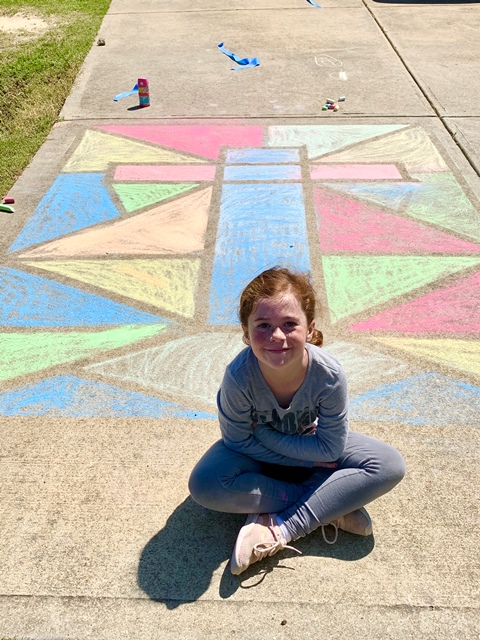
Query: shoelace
[(335, 526), (264, 549)]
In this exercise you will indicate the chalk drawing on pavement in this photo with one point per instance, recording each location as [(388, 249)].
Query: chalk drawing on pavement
[(373, 211), (164, 173), (441, 201), (355, 172), (463, 355), (28, 353), (346, 225), (324, 60), (168, 285), (321, 140), (262, 156), (262, 172), (452, 309), (72, 203), (174, 227), (410, 146), (191, 368), (67, 396), (28, 300), (358, 283), (391, 195), (204, 140), (135, 196), (249, 213), (97, 150), (443, 401), (364, 366)]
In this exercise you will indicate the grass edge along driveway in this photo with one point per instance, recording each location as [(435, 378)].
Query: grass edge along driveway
[(37, 74)]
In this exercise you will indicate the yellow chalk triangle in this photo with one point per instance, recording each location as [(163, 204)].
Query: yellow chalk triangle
[(463, 355), (97, 150), (412, 146), (166, 284)]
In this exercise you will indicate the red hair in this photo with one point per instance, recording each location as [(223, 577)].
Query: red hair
[(275, 281)]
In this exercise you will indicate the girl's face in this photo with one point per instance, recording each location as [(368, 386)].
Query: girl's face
[(277, 331)]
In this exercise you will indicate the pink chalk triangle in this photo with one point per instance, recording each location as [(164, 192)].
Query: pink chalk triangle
[(453, 309), (348, 225), (200, 140)]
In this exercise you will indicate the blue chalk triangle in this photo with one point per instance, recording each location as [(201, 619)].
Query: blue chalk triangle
[(388, 194), (428, 399), (74, 201), (31, 301), (66, 396)]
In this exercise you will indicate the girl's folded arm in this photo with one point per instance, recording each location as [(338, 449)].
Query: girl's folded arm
[(328, 443), (238, 433)]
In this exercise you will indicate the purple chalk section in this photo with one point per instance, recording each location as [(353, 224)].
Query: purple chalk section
[(74, 201)]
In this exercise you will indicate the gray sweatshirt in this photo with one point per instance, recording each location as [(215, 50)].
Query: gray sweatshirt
[(312, 429)]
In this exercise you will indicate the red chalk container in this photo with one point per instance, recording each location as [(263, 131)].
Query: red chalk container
[(143, 92)]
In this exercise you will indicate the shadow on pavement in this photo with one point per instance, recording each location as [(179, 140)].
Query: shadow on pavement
[(177, 564)]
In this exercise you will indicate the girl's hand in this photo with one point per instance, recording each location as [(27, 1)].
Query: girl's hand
[(328, 465)]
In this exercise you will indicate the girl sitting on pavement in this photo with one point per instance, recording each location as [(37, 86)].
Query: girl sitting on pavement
[(287, 457)]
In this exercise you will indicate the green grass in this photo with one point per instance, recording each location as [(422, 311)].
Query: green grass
[(36, 76)]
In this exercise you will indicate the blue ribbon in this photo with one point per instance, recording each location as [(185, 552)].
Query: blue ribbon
[(125, 94), (243, 62)]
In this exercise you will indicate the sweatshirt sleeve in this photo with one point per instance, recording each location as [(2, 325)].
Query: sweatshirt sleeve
[(238, 433), (328, 442)]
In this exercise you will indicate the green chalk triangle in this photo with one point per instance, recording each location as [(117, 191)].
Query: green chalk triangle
[(440, 200), (357, 283), (139, 195), (24, 353)]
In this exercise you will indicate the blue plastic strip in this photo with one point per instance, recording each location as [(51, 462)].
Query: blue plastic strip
[(125, 94), (243, 62), (314, 4)]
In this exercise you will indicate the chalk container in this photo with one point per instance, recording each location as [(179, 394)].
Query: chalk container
[(143, 92)]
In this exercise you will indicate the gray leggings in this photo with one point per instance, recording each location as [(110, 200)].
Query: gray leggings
[(305, 498)]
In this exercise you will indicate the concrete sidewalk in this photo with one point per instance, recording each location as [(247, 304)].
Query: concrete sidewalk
[(135, 230)]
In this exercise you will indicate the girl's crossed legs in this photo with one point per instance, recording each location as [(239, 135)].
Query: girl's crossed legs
[(304, 498)]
